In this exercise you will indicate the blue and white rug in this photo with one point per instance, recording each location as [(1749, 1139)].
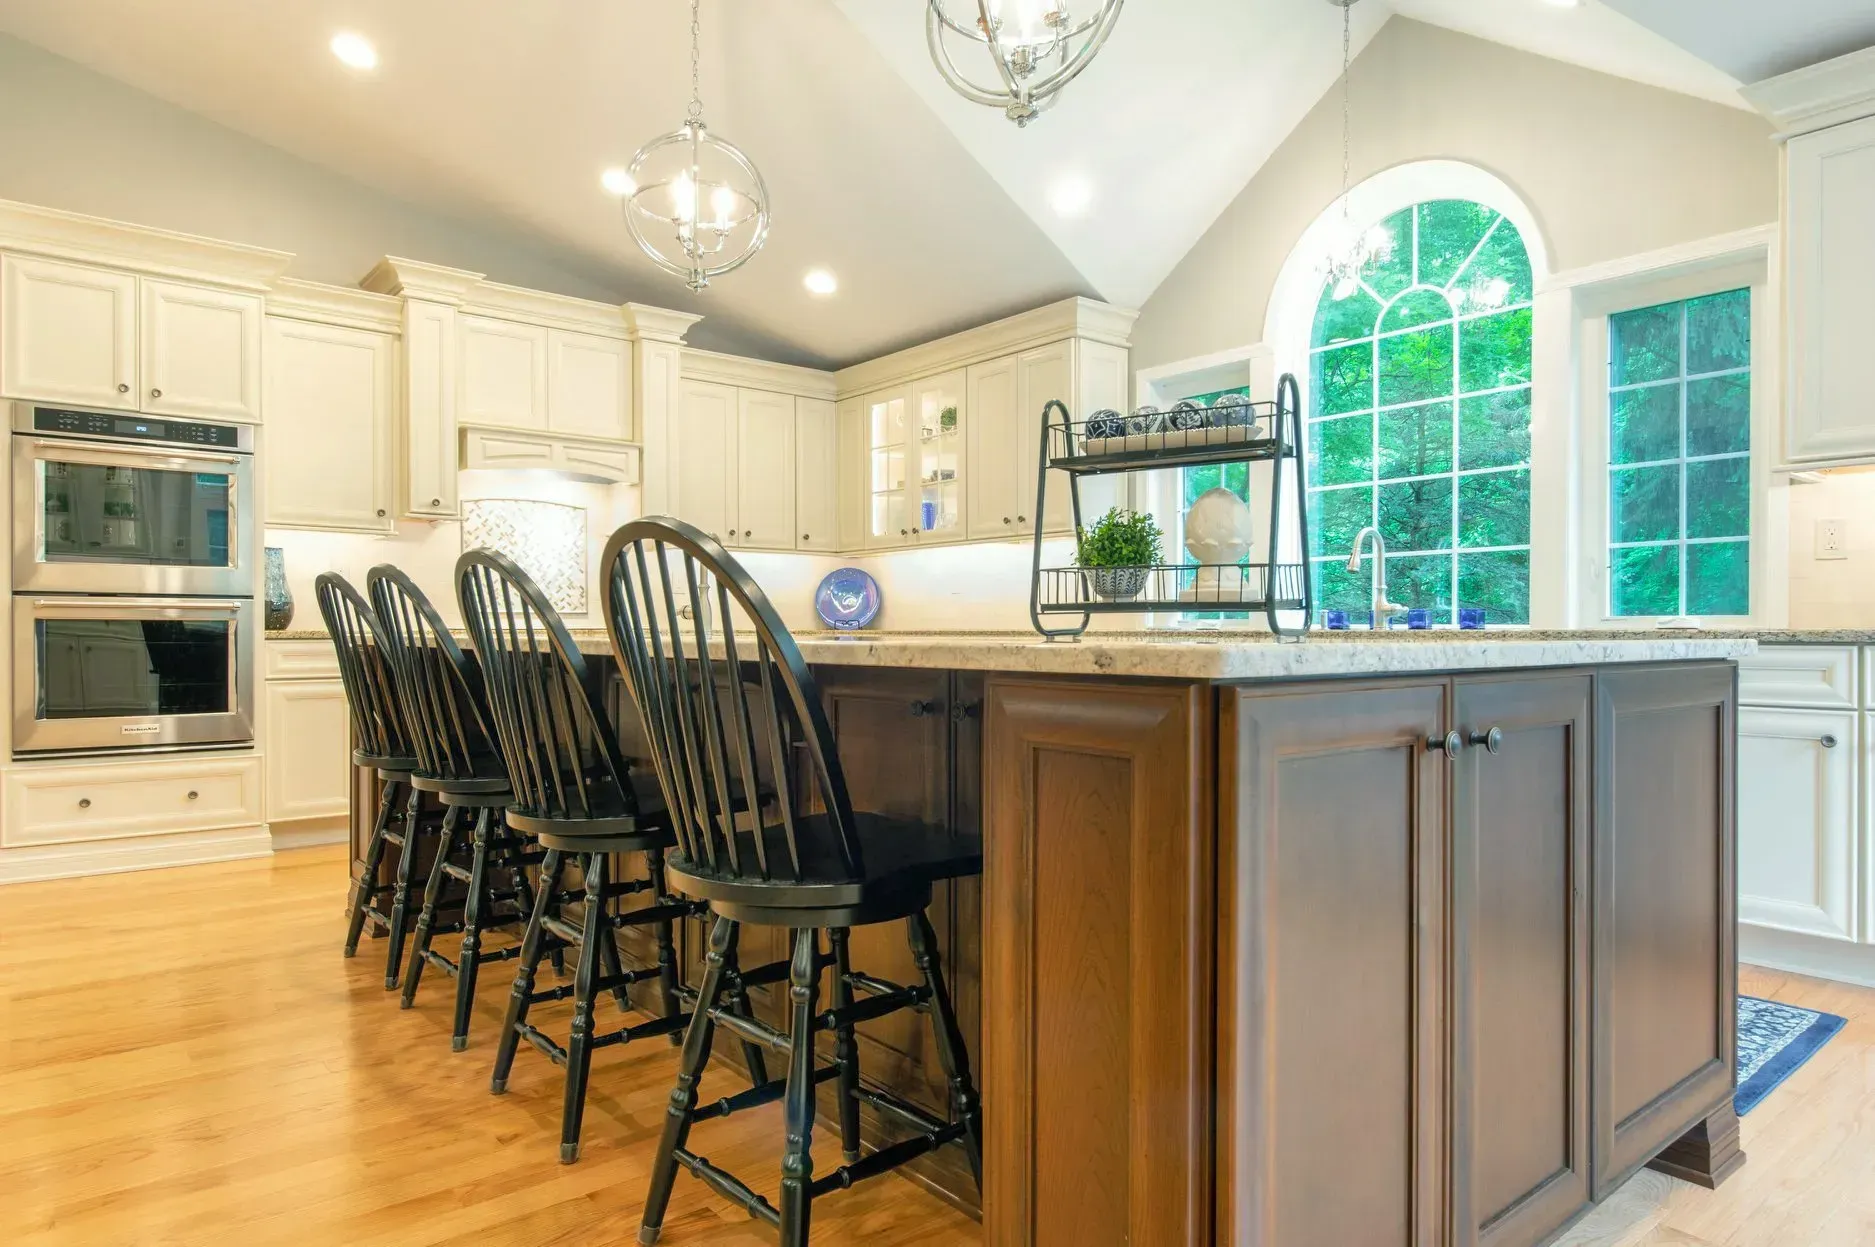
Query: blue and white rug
[(1773, 1040)]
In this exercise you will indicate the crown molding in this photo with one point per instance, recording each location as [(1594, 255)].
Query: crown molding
[(758, 374), (1817, 96), (335, 305), (96, 240), (1070, 318), (657, 324), (556, 311), (413, 279)]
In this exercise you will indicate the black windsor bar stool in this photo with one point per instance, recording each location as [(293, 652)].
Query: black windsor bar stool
[(575, 794), (444, 710), (381, 743), (831, 870)]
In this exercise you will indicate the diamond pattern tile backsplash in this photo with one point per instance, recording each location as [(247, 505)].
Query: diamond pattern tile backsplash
[(547, 540)]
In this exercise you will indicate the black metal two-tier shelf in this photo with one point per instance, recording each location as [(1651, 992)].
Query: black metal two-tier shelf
[(1232, 430)]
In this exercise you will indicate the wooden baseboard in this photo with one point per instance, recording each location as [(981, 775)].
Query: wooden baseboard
[(106, 857), (1807, 954), (306, 833)]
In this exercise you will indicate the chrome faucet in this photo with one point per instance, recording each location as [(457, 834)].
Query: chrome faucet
[(1382, 608)]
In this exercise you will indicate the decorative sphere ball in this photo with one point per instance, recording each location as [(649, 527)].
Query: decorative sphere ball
[(1217, 528)]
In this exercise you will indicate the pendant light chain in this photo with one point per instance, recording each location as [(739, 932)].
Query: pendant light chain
[(696, 58)]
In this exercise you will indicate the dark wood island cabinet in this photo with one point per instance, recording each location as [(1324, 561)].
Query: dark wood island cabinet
[(1277, 948)]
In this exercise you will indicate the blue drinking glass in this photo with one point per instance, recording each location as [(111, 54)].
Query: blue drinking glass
[(1335, 621), (1419, 619), (1471, 618)]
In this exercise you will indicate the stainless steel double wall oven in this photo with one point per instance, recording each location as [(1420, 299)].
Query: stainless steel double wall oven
[(133, 581)]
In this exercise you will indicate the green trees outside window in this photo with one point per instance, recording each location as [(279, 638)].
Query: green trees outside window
[(1679, 458), (1420, 418)]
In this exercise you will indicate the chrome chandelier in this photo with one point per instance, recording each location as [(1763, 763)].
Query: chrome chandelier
[(1352, 250), (1035, 46), (693, 201)]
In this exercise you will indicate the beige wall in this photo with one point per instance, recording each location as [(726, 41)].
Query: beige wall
[(1609, 167), (1833, 593)]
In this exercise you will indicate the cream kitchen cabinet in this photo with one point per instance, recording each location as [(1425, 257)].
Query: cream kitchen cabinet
[(816, 475), (703, 458), (307, 733), (589, 386), (995, 488), (762, 507), (886, 431), (504, 373), (331, 408), (71, 333), (850, 482), (1797, 820), (201, 351), (68, 333)]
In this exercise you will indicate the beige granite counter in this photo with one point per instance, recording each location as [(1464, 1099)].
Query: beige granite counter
[(1217, 655)]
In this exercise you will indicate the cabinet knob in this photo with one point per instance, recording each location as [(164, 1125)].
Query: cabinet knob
[(84, 803), (193, 794), (1005, 519), (1493, 740), (1022, 519), (904, 533), (962, 710), (919, 709), (156, 394), (807, 536), (1451, 745), (436, 502), (380, 512), (123, 387), (1829, 740)]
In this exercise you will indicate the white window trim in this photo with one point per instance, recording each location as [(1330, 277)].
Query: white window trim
[(1709, 266)]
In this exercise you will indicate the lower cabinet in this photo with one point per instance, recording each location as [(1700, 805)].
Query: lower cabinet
[(1797, 839), (307, 733)]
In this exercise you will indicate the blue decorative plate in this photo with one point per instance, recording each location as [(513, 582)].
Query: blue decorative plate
[(847, 599)]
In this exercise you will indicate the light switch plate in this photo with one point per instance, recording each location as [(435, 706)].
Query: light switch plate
[(1829, 540)]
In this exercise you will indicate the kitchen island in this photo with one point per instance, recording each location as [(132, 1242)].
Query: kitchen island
[(1376, 940)]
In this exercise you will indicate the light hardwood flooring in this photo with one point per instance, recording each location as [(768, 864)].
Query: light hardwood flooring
[(186, 1059)]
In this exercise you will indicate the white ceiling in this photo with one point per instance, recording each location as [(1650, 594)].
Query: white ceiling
[(934, 213), (1757, 39)]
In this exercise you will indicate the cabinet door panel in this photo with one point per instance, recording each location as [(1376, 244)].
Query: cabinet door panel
[(201, 351), (1521, 931), (431, 451), (1831, 267), (1331, 1025), (1797, 820), (1041, 375), (855, 498), (308, 749), (330, 399), (68, 333), (816, 475), (587, 391), (504, 373), (764, 500), (939, 467), (703, 458), (995, 486), (1665, 909)]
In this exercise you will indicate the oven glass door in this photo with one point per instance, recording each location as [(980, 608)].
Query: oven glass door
[(96, 518), (129, 673)]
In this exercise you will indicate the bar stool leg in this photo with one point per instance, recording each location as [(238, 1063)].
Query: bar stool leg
[(426, 920), (736, 996), (400, 909), (845, 1049), (696, 1055), (469, 958), (797, 1159), (521, 998), (610, 962), (374, 860), (579, 1044), (667, 946), (952, 1054)]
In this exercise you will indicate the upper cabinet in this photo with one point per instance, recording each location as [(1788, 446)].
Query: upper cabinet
[(504, 373), (95, 337), (589, 386), (331, 406), (816, 474), (1831, 269), (763, 512), (703, 458)]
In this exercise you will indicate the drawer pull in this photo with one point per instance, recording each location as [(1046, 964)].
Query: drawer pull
[(1451, 745), (1829, 740), (154, 393), (123, 387), (84, 803), (193, 794)]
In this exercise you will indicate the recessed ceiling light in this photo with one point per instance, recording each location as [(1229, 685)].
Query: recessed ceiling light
[(355, 50), (820, 281), (617, 181), (1072, 196)]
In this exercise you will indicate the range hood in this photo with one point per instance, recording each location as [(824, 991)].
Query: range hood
[(611, 463)]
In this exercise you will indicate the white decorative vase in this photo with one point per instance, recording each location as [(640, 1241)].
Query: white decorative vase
[(1218, 535)]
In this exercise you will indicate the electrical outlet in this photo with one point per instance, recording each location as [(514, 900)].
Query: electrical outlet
[(1829, 540)]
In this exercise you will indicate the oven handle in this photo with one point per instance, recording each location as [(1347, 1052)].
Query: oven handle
[(90, 452), (114, 607)]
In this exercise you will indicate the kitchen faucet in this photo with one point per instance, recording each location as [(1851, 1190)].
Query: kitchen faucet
[(1382, 609)]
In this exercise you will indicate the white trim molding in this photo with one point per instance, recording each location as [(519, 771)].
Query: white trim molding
[(108, 857), (1088, 319), (1817, 96), (30, 229), (336, 305), (759, 374)]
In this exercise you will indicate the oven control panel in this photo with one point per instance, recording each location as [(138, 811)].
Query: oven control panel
[(127, 426)]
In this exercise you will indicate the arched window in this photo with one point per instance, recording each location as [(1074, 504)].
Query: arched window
[(1419, 420)]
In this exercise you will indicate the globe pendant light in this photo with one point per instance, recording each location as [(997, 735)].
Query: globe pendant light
[(693, 201), (1035, 46), (1352, 250)]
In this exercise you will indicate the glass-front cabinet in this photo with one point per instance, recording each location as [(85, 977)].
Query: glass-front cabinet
[(939, 454), (888, 448)]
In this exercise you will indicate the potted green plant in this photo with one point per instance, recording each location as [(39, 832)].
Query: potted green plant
[(1118, 553), (947, 420)]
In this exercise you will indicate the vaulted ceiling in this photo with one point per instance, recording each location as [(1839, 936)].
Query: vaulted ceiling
[(933, 212)]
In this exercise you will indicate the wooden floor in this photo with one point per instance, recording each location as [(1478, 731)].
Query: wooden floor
[(186, 1059)]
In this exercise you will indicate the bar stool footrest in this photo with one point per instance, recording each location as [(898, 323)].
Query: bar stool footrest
[(752, 1029), (729, 1187), (644, 1030), (885, 1160)]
